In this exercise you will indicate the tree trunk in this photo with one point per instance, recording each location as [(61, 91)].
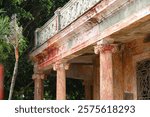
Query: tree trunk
[(14, 73)]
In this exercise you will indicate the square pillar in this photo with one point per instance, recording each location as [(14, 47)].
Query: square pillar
[(109, 71), (61, 80), (38, 86)]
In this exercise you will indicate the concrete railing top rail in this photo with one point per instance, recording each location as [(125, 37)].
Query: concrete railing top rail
[(62, 18)]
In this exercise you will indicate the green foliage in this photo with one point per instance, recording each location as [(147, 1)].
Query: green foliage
[(17, 1), (46, 4), (5, 50), (50, 88), (24, 88), (75, 89), (23, 44), (4, 27), (31, 14)]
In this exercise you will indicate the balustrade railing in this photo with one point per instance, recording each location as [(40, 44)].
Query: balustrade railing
[(62, 18), (45, 32)]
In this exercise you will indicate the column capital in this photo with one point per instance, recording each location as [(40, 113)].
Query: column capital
[(102, 48), (36, 69), (60, 65), (38, 76)]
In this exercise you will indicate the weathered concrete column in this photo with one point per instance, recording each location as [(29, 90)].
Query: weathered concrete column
[(38, 85), (106, 70), (61, 80)]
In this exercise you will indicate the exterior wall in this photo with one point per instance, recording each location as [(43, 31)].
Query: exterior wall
[(134, 51)]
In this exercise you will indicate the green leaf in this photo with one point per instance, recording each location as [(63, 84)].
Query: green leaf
[(4, 27)]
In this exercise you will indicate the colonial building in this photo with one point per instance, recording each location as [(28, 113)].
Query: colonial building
[(106, 43)]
